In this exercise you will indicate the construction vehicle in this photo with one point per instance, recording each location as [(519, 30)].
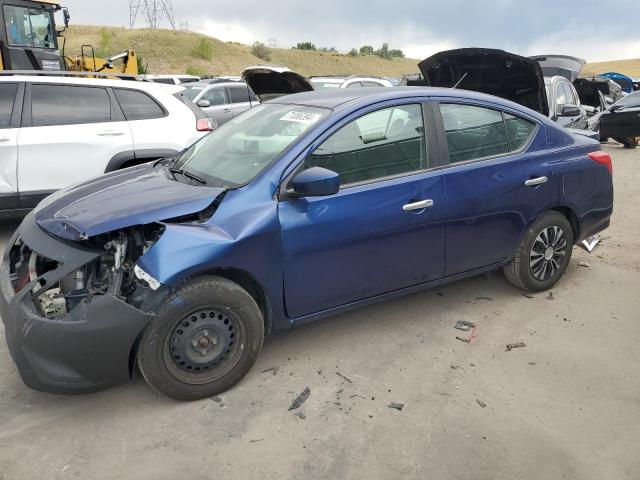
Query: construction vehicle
[(29, 40)]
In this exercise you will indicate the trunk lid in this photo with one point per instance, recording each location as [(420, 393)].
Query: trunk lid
[(491, 71), (135, 196), (563, 65), (272, 81)]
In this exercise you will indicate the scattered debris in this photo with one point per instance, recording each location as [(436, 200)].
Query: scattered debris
[(300, 399), (221, 404), (584, 264), (527, 295), (465, 340), (455, 367), (481, 403), (397, 406), (590, 243), (356, 395), (300, 415), (319, 372), (464, 325), (532, 363), (511, 346), (340, 391), (65, 468), (270, 369), (256, 440), (485, 298), (550, 296), (16, 395), (216, 399), (344, 376)]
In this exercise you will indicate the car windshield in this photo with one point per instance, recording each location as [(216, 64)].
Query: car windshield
[(630, 101), (239, 150), (324, 84), (192, 91)]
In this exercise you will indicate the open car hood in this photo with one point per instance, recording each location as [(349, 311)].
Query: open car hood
[(272, 81), (135, 196), (495, 72), (563, 65)]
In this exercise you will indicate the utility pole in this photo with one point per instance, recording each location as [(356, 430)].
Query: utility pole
[(153, 10)]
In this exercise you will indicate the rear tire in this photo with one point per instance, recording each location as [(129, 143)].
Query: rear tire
[(204, 340), (627, 142), (543, 254)]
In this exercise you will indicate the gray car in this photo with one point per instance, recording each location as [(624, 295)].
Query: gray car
[(221, 101)]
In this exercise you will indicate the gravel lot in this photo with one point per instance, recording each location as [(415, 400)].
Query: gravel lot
[(565, 406)]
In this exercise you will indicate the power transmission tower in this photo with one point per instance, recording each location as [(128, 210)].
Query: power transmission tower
[(153, 10), (272, 42)]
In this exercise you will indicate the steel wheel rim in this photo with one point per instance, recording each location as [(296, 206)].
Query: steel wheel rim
[(191, 359), (548, 253)]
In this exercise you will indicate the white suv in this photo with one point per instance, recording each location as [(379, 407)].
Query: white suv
[(57, 131)]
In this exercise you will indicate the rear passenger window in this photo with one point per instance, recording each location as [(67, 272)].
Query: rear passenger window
[(138, 105), (69, 105), (239, 94), (382, 144), (7, 97), (519, 131), (473, 132)]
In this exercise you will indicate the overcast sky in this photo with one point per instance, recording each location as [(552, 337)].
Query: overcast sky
[(594, 30)]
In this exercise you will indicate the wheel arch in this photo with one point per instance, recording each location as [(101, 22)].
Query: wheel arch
[(247, 282), (571, 216)]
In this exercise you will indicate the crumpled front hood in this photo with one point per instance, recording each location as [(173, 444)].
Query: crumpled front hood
[(491, 71), (135, 196)]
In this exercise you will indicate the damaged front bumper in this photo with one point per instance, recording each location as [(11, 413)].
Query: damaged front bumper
[(88, 348)]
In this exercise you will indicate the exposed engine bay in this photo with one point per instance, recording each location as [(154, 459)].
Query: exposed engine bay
[(110, 272)]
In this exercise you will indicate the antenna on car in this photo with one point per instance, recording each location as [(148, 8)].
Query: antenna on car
[(461, 79)]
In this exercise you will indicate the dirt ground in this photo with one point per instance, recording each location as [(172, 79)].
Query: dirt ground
[(565, 406)]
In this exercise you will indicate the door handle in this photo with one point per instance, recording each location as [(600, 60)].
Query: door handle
[(4, 139), (226, 110), (421, 205), (532, 182), (110, 133)]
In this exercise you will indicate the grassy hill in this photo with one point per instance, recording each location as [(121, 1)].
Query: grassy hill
[(168, 51), (627, 67)]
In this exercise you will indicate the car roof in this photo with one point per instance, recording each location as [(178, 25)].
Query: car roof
[(101, 82), (361, 97)]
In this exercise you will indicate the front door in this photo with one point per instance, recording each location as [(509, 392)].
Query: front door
[(219, 107), (496, 182), (70, 133), (623, 121), (382, 231)]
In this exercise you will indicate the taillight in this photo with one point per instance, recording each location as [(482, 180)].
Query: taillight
[(603, 158), (205, 125)]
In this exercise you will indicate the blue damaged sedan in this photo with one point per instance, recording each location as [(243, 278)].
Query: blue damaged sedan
[(302, 207)]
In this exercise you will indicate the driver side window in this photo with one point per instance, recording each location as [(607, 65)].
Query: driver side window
[(381, 144), (216, 96)]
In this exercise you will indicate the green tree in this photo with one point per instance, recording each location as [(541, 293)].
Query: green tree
[(366, 50), (305, 46), (353, 52), (396, 53), (203, 50), (260, 50), (142, 68), (383, 52), (104, 44)]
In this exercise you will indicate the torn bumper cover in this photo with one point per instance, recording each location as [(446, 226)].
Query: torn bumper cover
[(85, 349)]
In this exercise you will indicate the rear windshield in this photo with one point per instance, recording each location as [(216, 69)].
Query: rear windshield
[(239, 150)]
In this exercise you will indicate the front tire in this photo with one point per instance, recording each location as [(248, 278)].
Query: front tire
[(543, 255), (204, 340)]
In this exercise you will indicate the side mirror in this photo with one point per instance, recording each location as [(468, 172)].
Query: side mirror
[(202, 103), (617, 108), (569, 111), (315, 182), (66, 16)]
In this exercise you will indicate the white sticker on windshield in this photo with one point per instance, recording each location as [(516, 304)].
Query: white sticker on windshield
[(301, 117)]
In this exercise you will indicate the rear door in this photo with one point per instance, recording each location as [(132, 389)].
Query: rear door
[(219, 107), (69, 134), (241, 98), (10, 111), (383, 230), (497, 180), (624, 122)]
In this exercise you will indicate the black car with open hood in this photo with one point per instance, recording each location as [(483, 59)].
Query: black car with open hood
[(273, 81), (491, 71)]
